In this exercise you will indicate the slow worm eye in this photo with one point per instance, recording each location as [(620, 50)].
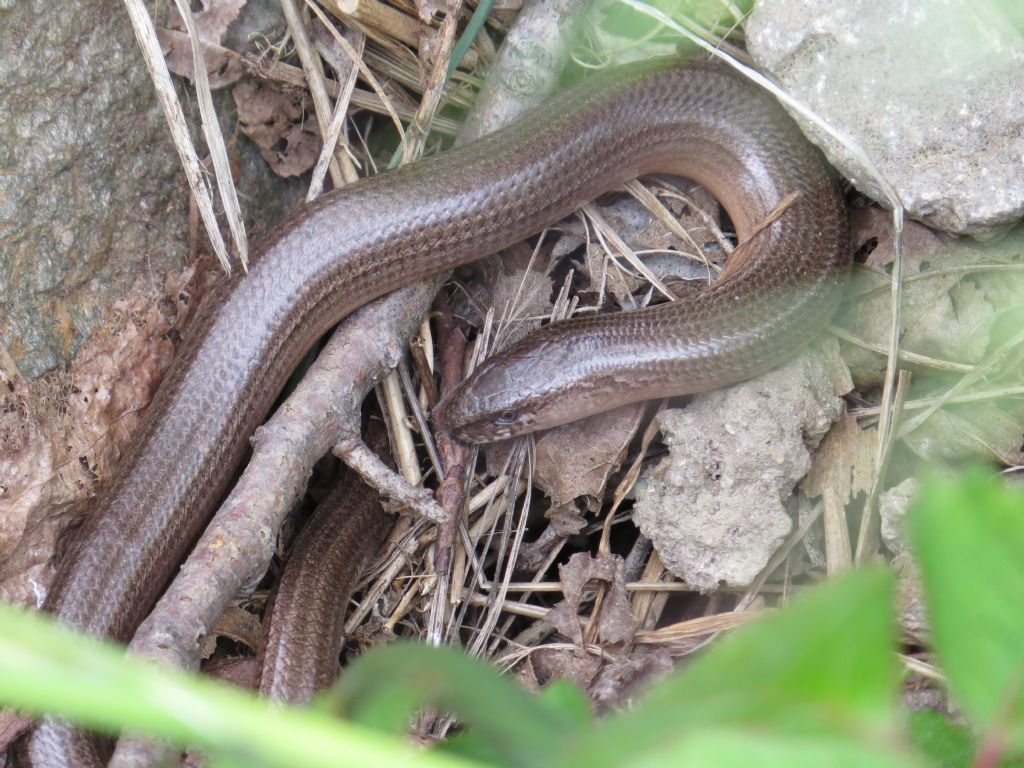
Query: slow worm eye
[(506, 417)]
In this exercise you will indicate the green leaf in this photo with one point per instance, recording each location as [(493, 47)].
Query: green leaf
[(746, 747), (564, 698), (47, 668), (945, 744), (386, 687), (822, 666), (968, 536)]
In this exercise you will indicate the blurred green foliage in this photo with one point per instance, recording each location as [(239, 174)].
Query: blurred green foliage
[(815, 683)]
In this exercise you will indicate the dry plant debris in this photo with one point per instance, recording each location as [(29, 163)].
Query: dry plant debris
[(212, 23), (62, 433), (277, 122)]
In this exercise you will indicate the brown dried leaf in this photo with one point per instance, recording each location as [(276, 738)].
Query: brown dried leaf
[(280, 124), (566, 519), (621, 681), (239, 625), (223, 67), (242, 671), (616, 622), (12, 725), (561, 663), (840, 469), (577, 459), (63, 432)]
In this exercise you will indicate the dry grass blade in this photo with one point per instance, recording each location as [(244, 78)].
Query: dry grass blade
[(947, 398), (413, 143), (606, 234), (757, 586), (673, 192), (390, 21), (739, 255), (393, 406), (990, 366), (154, 58), (694, 628), (961, 270), (923, 668), (651, 202), (374, 102), (334, 130), (903, 354), (507, 555), (214, 139), (341, 168), (868, 536), (363, 69)]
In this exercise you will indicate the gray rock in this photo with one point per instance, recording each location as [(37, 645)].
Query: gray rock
[(892, 509), (714, 508), (929, 88), (91, 196)]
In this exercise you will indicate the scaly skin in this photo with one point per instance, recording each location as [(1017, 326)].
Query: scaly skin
[(367, 239)]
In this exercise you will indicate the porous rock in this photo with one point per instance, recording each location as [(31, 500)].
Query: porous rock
[(715, 507), (892, 509), (92, 199), (929, 88)]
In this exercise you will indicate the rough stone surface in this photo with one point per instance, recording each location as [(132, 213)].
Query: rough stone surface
[(953, 311), (91, 195), (714, 508), (929, 88), (892, 510)]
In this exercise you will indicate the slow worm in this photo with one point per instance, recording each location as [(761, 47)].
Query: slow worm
[(364, 240), (303, 624)]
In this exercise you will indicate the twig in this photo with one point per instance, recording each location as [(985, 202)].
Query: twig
[(451, 493), (236, 548)]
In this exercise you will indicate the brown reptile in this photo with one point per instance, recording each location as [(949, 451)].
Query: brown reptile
[(304, 621), (359, 242)]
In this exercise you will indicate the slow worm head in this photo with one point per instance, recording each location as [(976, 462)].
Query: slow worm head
[(777, 291)]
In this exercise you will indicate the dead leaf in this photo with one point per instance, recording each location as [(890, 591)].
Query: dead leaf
[(242, 671), (566, 519), (62, 433), (843, 462), (577, 459), (560, 663), (280, 123), (239, 625), (841, 468), (616, 623), (12, 726), (223, 67), (617, 685)]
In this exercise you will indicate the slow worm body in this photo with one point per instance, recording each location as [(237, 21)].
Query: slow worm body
[(362, 241), (304, 620)]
